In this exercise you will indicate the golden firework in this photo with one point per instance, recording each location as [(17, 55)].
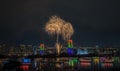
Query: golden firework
[(67, 31), (54, 25), (58, 26)]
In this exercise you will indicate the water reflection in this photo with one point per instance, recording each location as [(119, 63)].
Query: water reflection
[(65, 64)]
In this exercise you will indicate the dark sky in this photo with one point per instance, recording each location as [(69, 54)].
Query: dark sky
[(96, 22)]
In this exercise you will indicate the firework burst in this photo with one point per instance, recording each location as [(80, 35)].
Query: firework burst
[(58, 26), (67, 31), (54, 25)]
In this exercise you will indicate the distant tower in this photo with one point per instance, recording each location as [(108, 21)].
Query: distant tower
[(70, 47), (41, 49)]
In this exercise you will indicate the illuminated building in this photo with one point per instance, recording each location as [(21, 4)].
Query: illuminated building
[(82, 51)]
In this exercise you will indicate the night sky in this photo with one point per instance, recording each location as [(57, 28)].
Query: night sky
[(96, 22)]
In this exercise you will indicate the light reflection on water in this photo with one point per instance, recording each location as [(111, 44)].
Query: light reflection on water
[(85, 65), (81, 66), (67, 64)]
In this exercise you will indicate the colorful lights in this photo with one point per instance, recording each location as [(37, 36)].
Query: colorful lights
[(96, 60), (70, 47), (70, 44), (41, 46), (72, 62), (85, 64), (116, 59), (70, 51), (26, 60), (102, 59), (107, 65), (41, 49), (25, 68)]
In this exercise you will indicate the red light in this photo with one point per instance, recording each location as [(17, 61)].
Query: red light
[(69, 41), (85, 64), (108, 65), (25, 68), (41, 44), (85, 61)]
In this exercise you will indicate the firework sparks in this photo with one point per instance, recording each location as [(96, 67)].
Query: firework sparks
[(58, 26), (54, 25), (67, 31)]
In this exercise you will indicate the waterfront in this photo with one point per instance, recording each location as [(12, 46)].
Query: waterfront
[(31, 58)]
